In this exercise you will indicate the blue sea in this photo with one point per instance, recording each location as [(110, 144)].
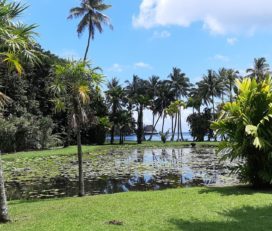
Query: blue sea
[(156, 137)]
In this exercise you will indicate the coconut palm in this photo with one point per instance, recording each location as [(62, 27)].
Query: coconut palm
[(166, 95), (259, 70), (17, 45), (231, 77), (209, 88), (152, 85), (78, 80), (92, 18), (114, 96), (181, 86), (137, 94)]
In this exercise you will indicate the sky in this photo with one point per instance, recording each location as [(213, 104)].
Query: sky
[(150, 37)]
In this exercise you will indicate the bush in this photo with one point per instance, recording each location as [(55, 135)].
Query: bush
[(247, 126)]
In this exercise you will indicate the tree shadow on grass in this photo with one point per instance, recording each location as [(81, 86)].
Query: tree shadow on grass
[(234, 190), (245, 218)]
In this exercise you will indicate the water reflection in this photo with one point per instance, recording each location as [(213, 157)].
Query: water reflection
[(130, 170)]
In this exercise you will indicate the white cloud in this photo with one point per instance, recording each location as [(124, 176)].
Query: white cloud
[(220, 58), (69, 54), (161, 34), (116, 68), (232, 41), (142, 65), (217, 16)]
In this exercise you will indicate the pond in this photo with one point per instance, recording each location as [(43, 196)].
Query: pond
[(120, 171)]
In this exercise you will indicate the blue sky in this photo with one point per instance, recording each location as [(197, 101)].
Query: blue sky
[(152, 36)]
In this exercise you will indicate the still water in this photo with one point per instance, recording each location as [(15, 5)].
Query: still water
[(128, 170)]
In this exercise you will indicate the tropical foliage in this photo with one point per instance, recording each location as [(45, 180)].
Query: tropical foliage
[(246, 123)]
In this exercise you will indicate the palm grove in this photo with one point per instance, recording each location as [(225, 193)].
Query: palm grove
[(47, 101)]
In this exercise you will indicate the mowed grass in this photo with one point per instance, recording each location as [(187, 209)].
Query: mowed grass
[(96, 149), (215, 209)]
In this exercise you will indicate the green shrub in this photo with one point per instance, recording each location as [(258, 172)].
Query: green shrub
[(247, 126)]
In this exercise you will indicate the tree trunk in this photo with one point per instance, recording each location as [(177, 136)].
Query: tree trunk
[(180, 124), (175, 126), (88, 46), (213, 116), (80, 165), (163, 120), (230, 89), (3, 198), (112, 133), (153, 121), (140, 125), (150, 138)]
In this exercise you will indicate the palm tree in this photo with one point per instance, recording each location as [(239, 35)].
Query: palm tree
[(114, 96), (194, 100), (166, 95), (232, 75), (152, 85), (259, 70), (16, 46), (137, 94), (181, 85), (92, 19), (209, 88), (77, 79)]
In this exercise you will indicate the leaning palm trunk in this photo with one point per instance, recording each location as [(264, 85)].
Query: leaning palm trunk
[(3, 199), (180, 124), (153, 128), (88, 45), (174, 131)]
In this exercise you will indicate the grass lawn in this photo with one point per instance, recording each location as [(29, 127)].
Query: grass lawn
[(215, 209)]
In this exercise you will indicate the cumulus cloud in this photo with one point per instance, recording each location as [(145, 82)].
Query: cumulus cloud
[(142, 65), (220, 58), (231, 41), (116, 68), (161, 34), (216, 16)]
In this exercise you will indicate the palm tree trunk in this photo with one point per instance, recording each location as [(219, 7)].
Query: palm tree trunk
[(175, 126), (178, 126), (150, 138), (80, 165), (140, 125), (3, 198), (88, 46), (153, 121), (163, 120), (112, 133), (230, 90), (213, 116)]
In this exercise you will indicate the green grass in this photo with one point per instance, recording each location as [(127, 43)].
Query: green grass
[(72, 150), (188, 209)]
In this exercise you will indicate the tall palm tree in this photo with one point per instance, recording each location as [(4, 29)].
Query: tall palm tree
[(166, 95), (259, 70), (92, 18), (152, 85), (181, 85), (209, 88), (137, 93), (77, 79), (194, 100), (114, 96), (232, 75), (17, 45)]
